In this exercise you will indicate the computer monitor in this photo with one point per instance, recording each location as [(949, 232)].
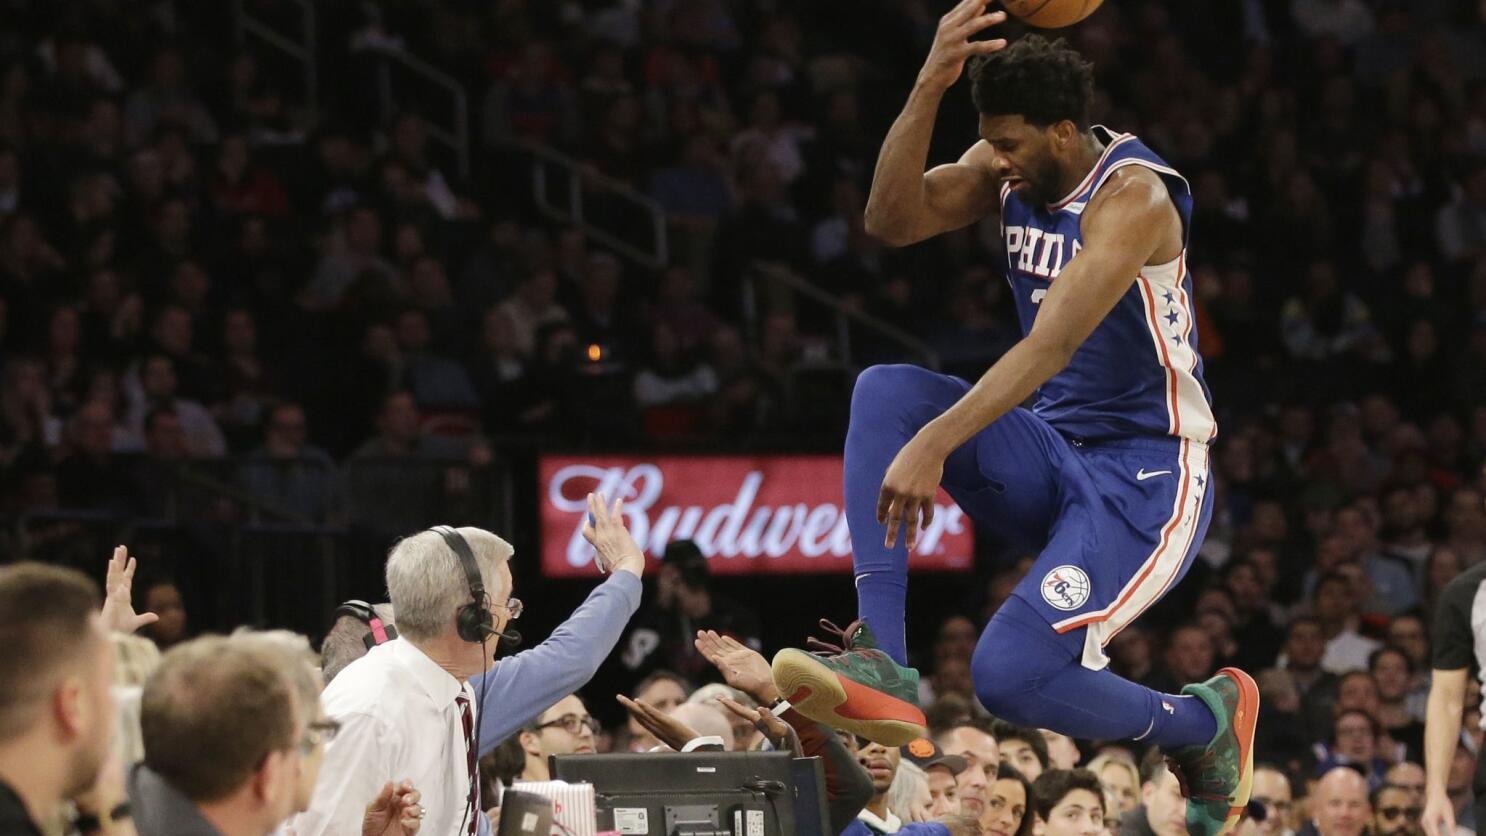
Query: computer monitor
[(699, 793)]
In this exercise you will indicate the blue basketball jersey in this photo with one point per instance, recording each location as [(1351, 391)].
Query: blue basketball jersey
[(1139, 372)]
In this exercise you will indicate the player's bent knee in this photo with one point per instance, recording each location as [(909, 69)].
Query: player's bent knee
[(886, 378), (1003, 681)]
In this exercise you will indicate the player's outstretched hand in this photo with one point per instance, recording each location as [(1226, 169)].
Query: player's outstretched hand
[(605, 531), (952, 45), (908, 491), (743, 667)]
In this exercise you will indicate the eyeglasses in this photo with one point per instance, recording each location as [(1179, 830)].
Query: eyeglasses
[(1411, 813), (317, 733), (572, 723), (513, 606)]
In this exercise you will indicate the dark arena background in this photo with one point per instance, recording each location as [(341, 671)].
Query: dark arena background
[(283, 281)]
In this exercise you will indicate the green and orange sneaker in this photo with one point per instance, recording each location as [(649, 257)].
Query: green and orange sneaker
[(1217, 778), (855, 687)]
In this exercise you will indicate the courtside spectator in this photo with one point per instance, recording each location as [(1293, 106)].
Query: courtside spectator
[(1023, 748), (1162, 810), (1339, 805), (56, 717), (1272, 792), (256, 698), (392, 690), (1070, 802), (348, 637), (564, 729)]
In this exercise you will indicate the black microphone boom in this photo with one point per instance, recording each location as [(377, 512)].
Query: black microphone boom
[(509, 640)]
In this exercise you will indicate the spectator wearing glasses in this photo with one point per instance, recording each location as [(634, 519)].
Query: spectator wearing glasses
[(1272, 791), (407, 706), (1396, 812), (564, 729), (256, 697)]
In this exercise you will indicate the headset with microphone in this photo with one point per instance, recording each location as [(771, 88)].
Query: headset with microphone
[(381, 631), (473, 619), (475, 625)]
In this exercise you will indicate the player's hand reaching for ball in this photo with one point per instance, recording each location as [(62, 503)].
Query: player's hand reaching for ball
[(908, 490), (952, 45)]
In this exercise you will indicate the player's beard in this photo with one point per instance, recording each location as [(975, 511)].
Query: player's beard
[(1042, 184)]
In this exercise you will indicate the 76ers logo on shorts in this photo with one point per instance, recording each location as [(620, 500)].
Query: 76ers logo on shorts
[(1066, 588)]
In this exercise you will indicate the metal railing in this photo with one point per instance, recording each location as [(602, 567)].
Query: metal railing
[(268, 541), (302, 50), (582, 177), (843, 316), (456, 133)]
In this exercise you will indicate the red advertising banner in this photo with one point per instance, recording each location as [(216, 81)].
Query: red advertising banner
[(751, 515)]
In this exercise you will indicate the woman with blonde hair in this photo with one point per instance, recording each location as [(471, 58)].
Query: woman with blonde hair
[(1120, 778)]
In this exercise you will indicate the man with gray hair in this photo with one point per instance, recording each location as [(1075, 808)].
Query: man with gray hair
[(355, 631), (407, 706), (256, 697)]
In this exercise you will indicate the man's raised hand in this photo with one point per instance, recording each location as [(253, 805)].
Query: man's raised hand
[(743, 667), (118, 601), (605, 531)]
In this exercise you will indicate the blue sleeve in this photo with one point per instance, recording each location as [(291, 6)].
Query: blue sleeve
[(924, 829), (522, 686)]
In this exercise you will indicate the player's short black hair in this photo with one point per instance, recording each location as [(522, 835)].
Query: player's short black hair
[(1054, 785), (1043, 81)]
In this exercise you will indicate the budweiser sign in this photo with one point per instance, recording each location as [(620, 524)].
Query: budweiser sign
[(748, 514)]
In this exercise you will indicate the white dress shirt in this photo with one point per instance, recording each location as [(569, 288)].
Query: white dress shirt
[(399, 721)]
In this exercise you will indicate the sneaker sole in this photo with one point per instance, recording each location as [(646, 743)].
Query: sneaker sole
[(1244, 722), (823, 695)]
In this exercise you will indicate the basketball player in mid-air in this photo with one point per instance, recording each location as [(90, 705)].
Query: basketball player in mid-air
[(1107, 475)]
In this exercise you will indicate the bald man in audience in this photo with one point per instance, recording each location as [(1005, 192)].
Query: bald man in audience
[(1339, 805)]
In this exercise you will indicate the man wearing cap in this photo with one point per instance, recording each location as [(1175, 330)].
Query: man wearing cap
[(942, 771), (982, 757)]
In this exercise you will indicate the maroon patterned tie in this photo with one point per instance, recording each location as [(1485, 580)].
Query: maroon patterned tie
[(471, 809)]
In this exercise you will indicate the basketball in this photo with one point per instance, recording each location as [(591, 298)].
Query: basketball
[(1051, 14)]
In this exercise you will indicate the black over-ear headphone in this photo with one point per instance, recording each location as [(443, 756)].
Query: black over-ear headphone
[(473, 619), (381, 631)]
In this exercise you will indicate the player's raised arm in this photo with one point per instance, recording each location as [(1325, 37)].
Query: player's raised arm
[(908, 204)]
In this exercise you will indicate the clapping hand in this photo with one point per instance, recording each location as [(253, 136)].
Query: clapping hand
[(774, 728), (667, 729), (395, 811), (118, 602)]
